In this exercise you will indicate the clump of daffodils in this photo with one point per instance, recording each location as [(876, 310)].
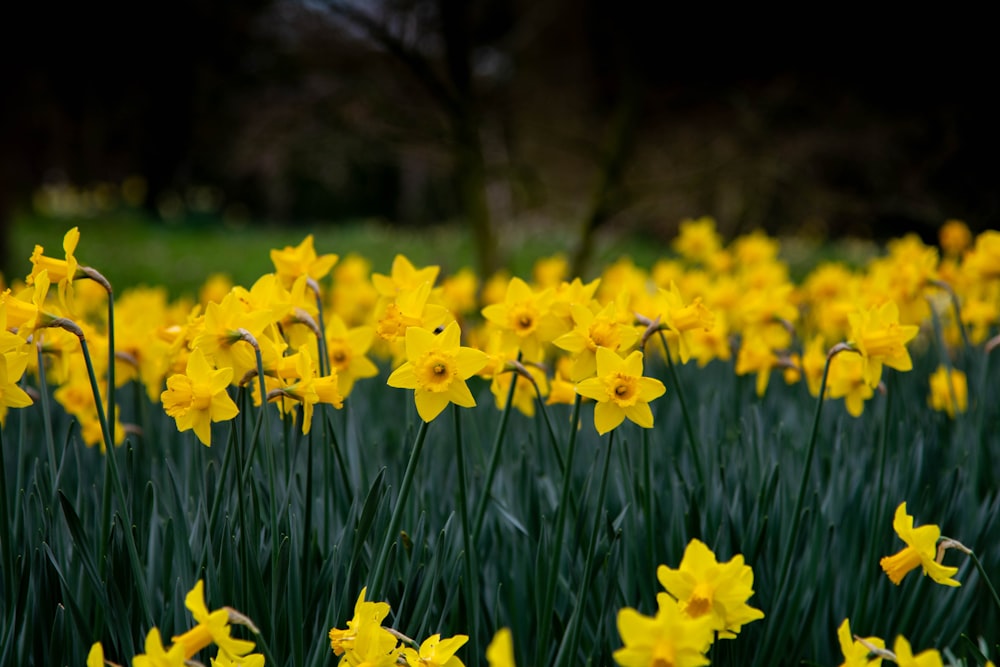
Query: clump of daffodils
[(704, 600), (211, 628), (365, 641)]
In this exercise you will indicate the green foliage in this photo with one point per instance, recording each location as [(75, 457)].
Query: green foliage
[(197, 512)]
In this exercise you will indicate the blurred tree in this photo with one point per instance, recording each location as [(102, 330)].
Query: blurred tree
[(100, 91), (442, 66)]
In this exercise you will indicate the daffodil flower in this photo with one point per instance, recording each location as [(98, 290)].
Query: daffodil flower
[(403, 277), (213, 628), (593, 329), (347, 350), (620, 391), (290, 263), (436, 369), (526, 318), (365, 613), (846, 380), (198, 397), (62, 271), (436, 652), (949, 391), (920, 551), (156, 655), (95, 658), (669, 638), (905, 658), (857, 654), (500, 652), (706, 588), (877, 334)]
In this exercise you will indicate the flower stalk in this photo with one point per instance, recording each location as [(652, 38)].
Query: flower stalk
[(378, 572)]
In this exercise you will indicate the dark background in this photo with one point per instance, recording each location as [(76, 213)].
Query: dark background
[(497, 113)]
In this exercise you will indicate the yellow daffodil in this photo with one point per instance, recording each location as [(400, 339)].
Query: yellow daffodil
[(669, 638), (213, 628), (706, 345), (13, 361), (157, 656), (436, 652), (524, 391), (983, 261), (215, 288), (855, 653), (95, 658), (949, 391), (409, 308), (594, 327), (365, 613), (877, 334), (561, 389), (620, 391), (12, 365), (458, 291), (403, 277), (905, 658), (251, 660), (954, 237), (26, 311), (353, 296), (346, 349), (756, 356), (500, 652), (680, 318), (290, 263), (436, 369), (307, 389), (697, 240), (920, 551), (198, 397), (62, 271), (717, 592), (550, 271), (526, 318), (846, 380), (220, 331)]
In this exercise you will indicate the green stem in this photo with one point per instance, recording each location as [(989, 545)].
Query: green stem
[(800, 499), (6, 553), (684, 411), (271, 475), (650, 506), (324, 359), (491, 470), (231, 444), (589, 561), (112, 472), (876, 521), (378, 573), (111, 357), (50, 444), (986, 578), (545, 416), (548, 601), (471, 566), (307, 519)]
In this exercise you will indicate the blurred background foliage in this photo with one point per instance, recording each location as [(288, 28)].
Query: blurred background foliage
[(577, 120)]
